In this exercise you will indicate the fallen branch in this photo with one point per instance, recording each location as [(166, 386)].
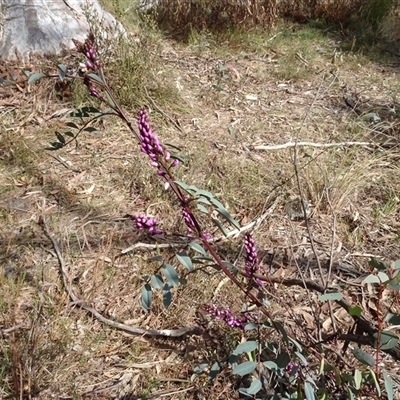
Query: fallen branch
[(194, 330), (312, 144)]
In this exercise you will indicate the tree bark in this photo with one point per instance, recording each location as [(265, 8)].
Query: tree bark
[(43, 27)]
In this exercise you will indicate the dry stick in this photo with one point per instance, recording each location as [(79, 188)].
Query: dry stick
[(312, 144), (194, 330), (297, 173), (331, 251)]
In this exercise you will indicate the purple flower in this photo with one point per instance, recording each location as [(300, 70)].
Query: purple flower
[(227, 316), (144, 223), (150, 145), (87, 49), (293, 368), (251, 265), (187, 217)]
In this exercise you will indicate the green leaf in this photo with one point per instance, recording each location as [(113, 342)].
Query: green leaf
[(156, 281), (379, 265), (70, 134), (95, 78), (202, 209), (220, 226), (183, 185), (200, 259), (147, 294), (357, 379), (90, 129), (62, 69), (60, 137), (388, 385), (198, 248), (71, 125), (55, 146), (371, 279), (167, 295), (392, 319), (245, 368), (296, 343), (283, 359), (309, 391), (377, 387), (388, 340), (333, 296), (270, 365), (110, 100), (253, 389), (198, 369), (302, 359), (185, 260), (246, 347), (395, 264), (35, 77), (393, 285), (204, 201), (180, 157), (363, 357), (250, 326), (383, 277), (355, 311), (230, 266), (90, 110), (228, 217), (215, 368), (282, 330), (170, 274), (174, 146)]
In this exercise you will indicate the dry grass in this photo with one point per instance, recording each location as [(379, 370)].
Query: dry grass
[(183, 16), (259, 97)]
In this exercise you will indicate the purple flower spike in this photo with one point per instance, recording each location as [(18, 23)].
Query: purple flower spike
[(188, 220), (227, 317), (150, 144), (144, 223), (174, 163), (251, 265)]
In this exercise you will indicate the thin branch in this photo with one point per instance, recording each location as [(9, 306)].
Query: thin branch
[(363, 324), (194, 330), (312, 144)]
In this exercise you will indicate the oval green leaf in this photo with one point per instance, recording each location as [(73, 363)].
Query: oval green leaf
[(334, 296), (95, 78), (35, 77), (245, 368), (196, 247), (147, 294), (245, 347), (309, 391), (156, 281), (167, 295), (253, 389), (170, 274), (363, 357), (185, 260), (388, 385)]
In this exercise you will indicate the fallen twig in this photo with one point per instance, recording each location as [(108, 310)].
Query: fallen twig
[(194, 330), (312, 144)]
